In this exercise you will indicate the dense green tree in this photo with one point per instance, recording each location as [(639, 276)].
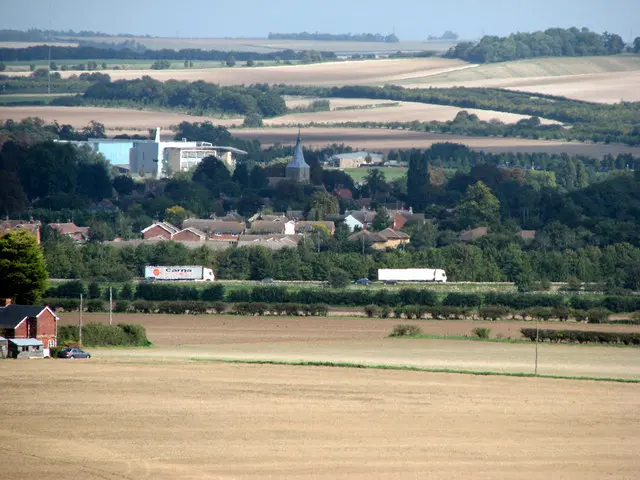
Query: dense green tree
[(383, 220), (479, 206), (22, 268), (321, 205), (123, 184)]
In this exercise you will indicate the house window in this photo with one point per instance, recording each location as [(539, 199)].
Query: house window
[(52, 343), (25, 349)]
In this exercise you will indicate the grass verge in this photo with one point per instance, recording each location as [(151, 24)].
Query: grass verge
[(305, 363)]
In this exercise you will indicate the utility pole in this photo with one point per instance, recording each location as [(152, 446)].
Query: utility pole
[(110, 306), (80, 324), (537, 337), (49, 73)]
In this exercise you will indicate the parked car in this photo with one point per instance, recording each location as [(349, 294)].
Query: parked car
[(73, 353), (267, 280), (390, 282), (363, 281)]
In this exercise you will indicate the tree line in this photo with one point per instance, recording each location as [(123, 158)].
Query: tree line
[(553, 42), (41, 52), (196, 97)]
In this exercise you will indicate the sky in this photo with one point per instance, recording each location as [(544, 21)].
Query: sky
[(412, 19)]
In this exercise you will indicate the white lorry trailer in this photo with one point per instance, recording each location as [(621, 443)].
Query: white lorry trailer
[(412, 275), (179, 273)]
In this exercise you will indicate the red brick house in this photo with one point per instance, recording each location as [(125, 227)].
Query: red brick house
[(159, 229), (71, 230), (25, 321), (189, 234), (33, 227)]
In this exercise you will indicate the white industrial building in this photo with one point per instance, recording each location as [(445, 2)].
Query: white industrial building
[(153, 157)]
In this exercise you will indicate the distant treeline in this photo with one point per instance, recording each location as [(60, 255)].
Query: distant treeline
[(554, 42), (37, 35), (196, 97), (41, 52), (332, 37)]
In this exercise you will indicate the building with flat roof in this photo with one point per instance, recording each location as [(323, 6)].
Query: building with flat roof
[(355, 159), (182, 159), (116, 151)]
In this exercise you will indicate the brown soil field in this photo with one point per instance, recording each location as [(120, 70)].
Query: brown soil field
[(385, 140), (115, 120), (385, 111), (361, 340)]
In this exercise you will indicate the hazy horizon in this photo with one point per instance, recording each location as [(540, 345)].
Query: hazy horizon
[(411, 19)]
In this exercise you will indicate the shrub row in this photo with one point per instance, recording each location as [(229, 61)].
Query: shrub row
[(581, 336), (291, 309), (98, 335), (154, 291)]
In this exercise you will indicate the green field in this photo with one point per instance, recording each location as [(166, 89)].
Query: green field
[(390, 173)]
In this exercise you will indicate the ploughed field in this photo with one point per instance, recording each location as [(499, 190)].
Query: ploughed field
[(363, 341)]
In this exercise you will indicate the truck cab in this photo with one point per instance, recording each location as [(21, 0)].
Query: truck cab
[(208, 276)]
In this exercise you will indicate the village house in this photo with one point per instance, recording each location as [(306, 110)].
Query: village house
[(71, 230), (473, 234), (272, 242), (189, 234), (387, 238), (361, 219), (31, 226), (215, 228), (278, 226), (160, 230), (29, 322), (308, 226), (401, 217)]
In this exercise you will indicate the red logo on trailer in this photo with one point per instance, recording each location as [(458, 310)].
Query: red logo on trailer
[(156, 272)]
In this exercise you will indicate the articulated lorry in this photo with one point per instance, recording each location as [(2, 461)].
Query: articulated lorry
[(412, 275), (179, 273)]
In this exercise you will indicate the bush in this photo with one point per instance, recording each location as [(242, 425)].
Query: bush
[(462, 300), (405, 330), (98, 335), (384, 312), (397, 312), (253, 120), (371, 310), (581, 336), (561, 313), (94, 305), (579, 315), (338, 278), (219, 307), (66, 304), (127, 292), (597, 315), (71, 289), (122, 306), (213, 293), (492, 312), (483, 333), (143, 306), (94, 290)]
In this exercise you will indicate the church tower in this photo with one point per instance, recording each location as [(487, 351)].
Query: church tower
[(298, 170)]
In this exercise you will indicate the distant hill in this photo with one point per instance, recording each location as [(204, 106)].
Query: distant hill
[(341, 37)]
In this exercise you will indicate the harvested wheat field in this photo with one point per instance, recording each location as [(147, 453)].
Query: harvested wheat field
[(201, 420), (594, 79), (370, 110), (330, 73), (115, 120), (384, 140)]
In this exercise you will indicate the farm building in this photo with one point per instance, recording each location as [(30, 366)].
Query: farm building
[(27, 348), (355, 159), (29, 322)]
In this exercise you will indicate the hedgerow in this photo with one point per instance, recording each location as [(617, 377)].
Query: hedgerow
[(581, 336)]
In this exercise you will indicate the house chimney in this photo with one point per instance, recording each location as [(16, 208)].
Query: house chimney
[(5, 302)]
